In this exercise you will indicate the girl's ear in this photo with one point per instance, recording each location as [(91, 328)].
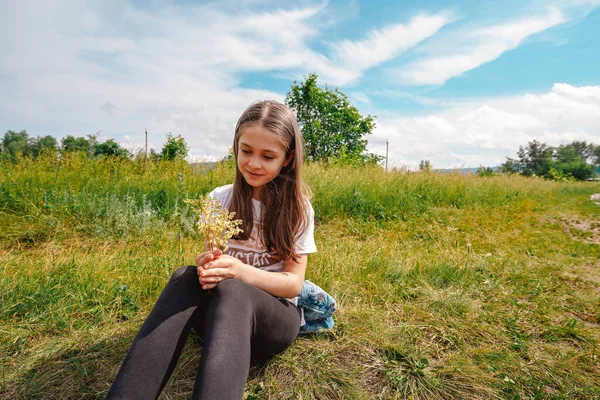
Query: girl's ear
[(289, 158)]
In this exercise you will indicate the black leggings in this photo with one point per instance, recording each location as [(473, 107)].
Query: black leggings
[(237, 321)]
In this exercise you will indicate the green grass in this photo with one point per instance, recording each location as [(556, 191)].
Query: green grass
[(449, 286)]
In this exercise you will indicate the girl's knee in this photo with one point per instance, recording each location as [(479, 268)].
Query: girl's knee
[(232, 286), (235, 294), (184, 282), (185, 271)]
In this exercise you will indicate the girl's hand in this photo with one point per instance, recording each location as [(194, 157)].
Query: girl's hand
[(205, 258), (221, 268)]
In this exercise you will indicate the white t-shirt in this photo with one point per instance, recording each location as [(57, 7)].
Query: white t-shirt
[(253, 251)]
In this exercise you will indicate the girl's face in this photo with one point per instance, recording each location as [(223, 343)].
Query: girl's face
[(261, 156)]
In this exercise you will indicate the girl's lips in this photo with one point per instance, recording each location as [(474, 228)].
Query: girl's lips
[(253, 175)]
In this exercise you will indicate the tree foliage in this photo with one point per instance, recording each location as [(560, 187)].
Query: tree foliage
[(175, 147), (485, 171), (425, 165), (111, 148), (331, 126), (576, 160), (20, 143), (81, 144), (40, 145), (15, 143)]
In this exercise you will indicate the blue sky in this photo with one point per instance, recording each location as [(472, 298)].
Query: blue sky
[(460, 83)]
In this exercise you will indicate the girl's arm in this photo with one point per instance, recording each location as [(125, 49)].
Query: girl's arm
[(287, 283)]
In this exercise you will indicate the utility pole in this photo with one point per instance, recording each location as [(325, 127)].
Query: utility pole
[(386, 154), (146, 129)]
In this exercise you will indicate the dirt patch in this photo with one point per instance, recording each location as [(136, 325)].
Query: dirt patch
[(583, 229)]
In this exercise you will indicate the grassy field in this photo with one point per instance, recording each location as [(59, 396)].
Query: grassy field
[(449, 286)]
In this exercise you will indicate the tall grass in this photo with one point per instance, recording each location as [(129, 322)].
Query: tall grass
[(371, 193), (449, 286)]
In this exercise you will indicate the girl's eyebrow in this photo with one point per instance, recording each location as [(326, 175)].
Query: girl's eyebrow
[(264, 150)]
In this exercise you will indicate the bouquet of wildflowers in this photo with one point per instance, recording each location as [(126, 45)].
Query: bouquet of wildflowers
[(214, 222)]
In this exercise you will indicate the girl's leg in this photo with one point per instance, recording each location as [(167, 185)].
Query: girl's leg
[(156, 348), (241, 322)]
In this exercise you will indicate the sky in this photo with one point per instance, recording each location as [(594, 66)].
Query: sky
[(459, 83)]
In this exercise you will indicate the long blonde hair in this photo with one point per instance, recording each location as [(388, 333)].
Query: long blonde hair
[(285, 198)]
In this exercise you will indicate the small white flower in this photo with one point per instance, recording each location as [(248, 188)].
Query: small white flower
[(215, 222)]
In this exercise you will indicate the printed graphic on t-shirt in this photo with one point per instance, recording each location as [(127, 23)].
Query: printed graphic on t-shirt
[(252, 252)]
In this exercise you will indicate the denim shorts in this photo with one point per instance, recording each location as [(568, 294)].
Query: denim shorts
[(318, 307)]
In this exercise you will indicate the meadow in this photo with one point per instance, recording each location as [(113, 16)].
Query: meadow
[(449, 286)]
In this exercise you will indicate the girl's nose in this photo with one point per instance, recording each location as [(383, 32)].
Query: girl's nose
[(254, 164)]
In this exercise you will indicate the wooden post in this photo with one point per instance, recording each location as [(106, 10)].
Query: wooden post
[(386, 154)]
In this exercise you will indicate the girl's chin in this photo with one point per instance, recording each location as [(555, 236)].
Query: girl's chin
[(254, 182)]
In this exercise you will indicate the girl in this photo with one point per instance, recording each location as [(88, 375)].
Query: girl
[(250, 310)]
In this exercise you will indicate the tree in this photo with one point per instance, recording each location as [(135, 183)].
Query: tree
[(571, 160), (330, 125), (174, 147), (595, 155), (16, 143), (154, 155), (110, 148), (42, 144), (485, 171), (576, 160), (581, 149), (535, 158), (425, 165), (71, 144), (510, 166), (579, 170)]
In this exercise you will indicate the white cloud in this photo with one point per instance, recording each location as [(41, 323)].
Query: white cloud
[(473, 48), (490, 128), (75, 67), (580, 93), (485, 132), (566, 106), (387, 43), (360, 97)]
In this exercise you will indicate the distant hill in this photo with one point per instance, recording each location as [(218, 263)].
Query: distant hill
[(203, 165), (465, 170)]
